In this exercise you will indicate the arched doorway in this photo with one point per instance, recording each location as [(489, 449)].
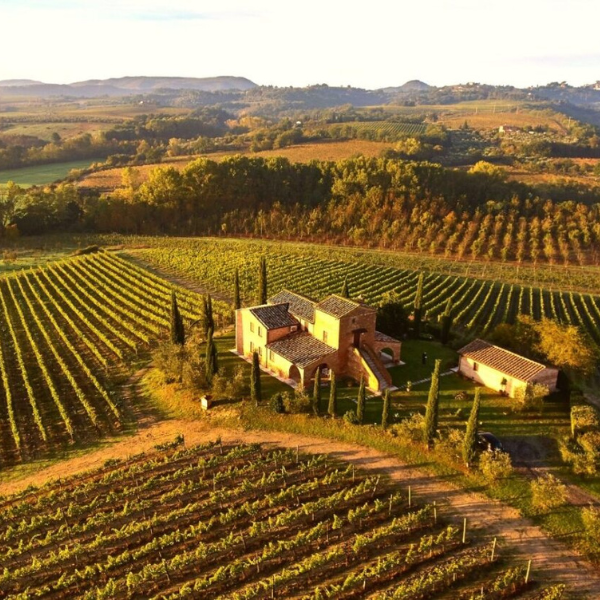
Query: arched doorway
[(294, 374), (387, 355)]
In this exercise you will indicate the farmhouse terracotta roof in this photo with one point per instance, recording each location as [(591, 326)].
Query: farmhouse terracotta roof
[(382, 337), (301, 348), (502, 360), (274, 316), (338, 306), (300, 306)]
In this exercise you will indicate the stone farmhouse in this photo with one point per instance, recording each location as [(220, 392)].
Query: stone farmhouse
[(502, 370), (294, 335)]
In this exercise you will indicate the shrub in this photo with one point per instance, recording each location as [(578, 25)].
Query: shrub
[(584, 418), (276, 403), (495, 464), (450, 443), (582, 454), (298, 402), (591, 525), (410, 429), (531, 396), (547, 493), (351, 418)]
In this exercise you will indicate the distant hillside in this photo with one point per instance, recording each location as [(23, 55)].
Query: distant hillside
[(19, 82), (414, 85), (123, 86)]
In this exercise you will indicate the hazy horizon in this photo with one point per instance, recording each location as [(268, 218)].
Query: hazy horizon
[(516, 43)]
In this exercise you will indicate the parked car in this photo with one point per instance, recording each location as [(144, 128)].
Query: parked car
[(488, 441)]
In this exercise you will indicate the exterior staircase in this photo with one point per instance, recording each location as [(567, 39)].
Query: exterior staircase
[(366, 362)]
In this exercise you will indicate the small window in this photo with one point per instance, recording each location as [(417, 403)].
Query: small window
[(251, 346), (251, 327), (325, 336), (259, 331), (271, 355), (475, 366), (260, 351)]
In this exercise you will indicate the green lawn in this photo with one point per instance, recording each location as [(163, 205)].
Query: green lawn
[(42, 174)]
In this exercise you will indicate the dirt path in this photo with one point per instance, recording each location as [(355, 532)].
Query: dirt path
[(551, 559)]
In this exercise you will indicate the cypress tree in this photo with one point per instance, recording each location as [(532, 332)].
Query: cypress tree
[(208, 320), (332, 407), (418, 307), (316, 399), (255, 391), (344, 292), (385, 413), (362, 398), (211, 360), (470, 441), (446, 323), (430, 424), (177, 330), (262, 281), (237, 301)]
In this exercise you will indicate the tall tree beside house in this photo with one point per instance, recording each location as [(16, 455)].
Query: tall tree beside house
[(316, 399), (211, 358), (361, 401), (237, 301), (332, 407), (262, 281), (177, 329), (255, 388), (385, 413), (344, 293), (418, 307), (446, 323), (470, 441), (208, 320), (430, 425)]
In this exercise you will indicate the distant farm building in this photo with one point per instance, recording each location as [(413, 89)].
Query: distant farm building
[(294, 336), (502, 370)]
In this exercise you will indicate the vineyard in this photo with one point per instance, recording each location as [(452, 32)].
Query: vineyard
[(238, 522), (64, 331), (477, 305), (384, 129)]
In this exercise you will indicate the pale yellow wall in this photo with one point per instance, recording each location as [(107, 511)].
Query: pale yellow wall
[(259, 341), (489, 377), (325, 322)]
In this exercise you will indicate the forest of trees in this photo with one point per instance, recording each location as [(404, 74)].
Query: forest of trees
[(414, 206)]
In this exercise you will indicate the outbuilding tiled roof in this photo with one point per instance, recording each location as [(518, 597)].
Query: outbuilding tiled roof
[(274, 316), (382, 337), (338, 306), (502, 360), (300, 306), (301, 348)]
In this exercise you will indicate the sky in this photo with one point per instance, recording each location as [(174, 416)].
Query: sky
[(370, 44)]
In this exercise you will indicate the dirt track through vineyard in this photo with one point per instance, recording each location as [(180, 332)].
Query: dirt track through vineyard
[(551, 559)]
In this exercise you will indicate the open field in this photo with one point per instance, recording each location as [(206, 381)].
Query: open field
[(287, 525), (493, 120), (477, 305), (44, 130), (42, 174), (334, 151)]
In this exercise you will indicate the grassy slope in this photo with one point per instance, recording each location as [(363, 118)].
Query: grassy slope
[(42, 174)]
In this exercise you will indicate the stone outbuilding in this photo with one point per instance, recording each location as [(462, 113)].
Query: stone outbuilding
[(503, 370), (294, 335)]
